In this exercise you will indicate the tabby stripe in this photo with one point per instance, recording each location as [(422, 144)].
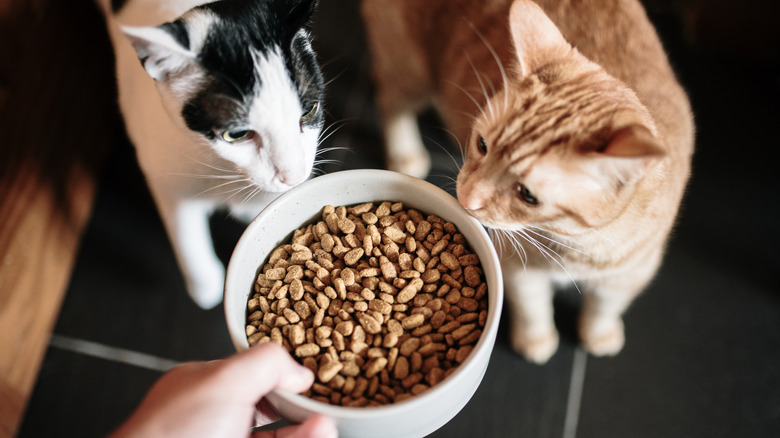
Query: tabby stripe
[(576, 217)]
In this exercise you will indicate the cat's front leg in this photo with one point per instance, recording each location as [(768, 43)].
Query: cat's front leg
[(529, 294), (601, 327), (405, 151), (403, 86), (187, 224), (607, 298)]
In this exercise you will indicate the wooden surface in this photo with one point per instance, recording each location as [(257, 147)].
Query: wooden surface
[(57, 122)]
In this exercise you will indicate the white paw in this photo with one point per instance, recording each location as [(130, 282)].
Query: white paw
[(537, 349), (417, 165), (603, 339), (208, 288), (404, 147)]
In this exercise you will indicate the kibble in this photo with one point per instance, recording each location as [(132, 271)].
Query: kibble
[(380, 302)]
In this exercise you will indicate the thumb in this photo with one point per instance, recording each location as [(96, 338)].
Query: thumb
[(317, 426), (253, 373)]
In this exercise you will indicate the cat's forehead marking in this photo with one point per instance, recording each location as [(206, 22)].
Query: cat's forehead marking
[(230, 33), (544, 118), (198, 27), (254, 72), (277, 102)]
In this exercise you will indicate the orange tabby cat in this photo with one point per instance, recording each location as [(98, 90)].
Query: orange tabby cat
[(577, 139)]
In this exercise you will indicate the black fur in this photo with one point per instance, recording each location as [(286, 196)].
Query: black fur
[(259, 25), (178, 30)]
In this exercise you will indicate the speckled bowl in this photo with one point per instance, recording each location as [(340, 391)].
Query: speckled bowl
[(417, 416)]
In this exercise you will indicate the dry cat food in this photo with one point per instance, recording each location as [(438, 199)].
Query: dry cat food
[(379, 301)]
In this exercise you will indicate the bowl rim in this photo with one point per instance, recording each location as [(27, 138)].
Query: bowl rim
[(495, 294)]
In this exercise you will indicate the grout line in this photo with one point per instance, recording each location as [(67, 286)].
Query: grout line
[(113, 354), (575, 393)]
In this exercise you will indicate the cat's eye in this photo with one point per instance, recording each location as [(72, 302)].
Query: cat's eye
[(482, 145), (310, 112), (236, 135), (526, 195)]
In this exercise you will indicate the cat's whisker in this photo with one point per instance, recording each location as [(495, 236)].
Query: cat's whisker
[(223, 185), (461, 147), (493, 92), (497, 239), (482, 85), (449, 183), (508, 244), (319, 162), (247, 192), (315, 171), (471, 98), (202, 176), (323, 151), (325, 161), (249, 196), (209, 165), (331, 129), (325, 134), (446, 151), (325, 64), (545, 234), (500, 64), (468, 115), (515, 243), (549, 254), (335, 77)]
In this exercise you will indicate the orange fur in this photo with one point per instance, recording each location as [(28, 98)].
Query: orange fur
[(579, 110)]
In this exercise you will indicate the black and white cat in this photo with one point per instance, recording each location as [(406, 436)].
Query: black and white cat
[(224, 110)]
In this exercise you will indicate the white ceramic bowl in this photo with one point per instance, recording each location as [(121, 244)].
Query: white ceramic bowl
[(414, 417)]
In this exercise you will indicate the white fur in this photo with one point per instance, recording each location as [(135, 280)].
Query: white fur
[(405, 150), (186, 174), (283, 159)]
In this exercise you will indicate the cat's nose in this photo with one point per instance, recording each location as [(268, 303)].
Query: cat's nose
[(290, 177), (468, 200), (470, 203), (469, 195)]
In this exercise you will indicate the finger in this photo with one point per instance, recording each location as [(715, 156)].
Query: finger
[(265, 414), (317, 426), (253, 373)]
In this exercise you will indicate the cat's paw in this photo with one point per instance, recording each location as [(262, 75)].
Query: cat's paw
[(207, 290), (536, 349), (404, 148), (417, 165), (603, 339)]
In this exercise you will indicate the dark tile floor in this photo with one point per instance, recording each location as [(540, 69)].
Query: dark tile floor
[(703, 352)]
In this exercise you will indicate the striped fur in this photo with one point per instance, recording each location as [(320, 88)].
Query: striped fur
[(577, 140)]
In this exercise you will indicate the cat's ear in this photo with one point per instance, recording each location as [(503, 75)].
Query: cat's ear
[(628, 153), (536, 39), (163, 50)]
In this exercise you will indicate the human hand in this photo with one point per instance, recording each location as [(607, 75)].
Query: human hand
[(224, 398)]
